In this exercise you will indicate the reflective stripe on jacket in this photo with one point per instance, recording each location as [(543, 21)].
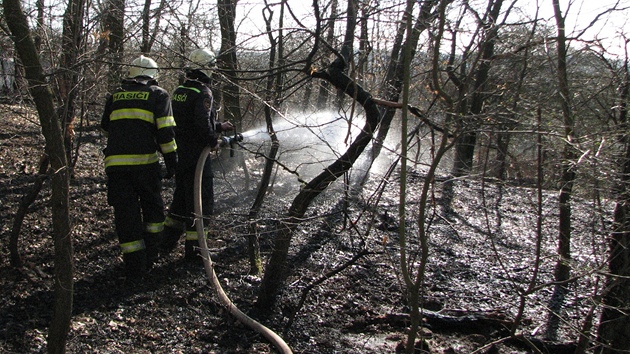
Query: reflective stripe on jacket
[(139, 123)]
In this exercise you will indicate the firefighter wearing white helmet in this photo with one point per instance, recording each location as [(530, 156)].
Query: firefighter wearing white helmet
[(202, 60), (138, 121), (195, 115), (143, 66)]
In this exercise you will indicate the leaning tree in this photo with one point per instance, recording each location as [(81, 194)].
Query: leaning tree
[(43, 97)]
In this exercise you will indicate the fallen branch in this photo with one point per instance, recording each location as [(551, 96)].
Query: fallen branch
[(478, 322), (464, 321)]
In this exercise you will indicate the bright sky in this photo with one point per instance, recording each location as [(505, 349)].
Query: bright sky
[(580, 13)]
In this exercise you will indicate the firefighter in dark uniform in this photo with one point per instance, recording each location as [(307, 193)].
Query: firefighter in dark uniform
[(138, 122), (197, 128)]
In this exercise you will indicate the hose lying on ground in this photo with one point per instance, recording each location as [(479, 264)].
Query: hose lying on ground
[(208, 265)]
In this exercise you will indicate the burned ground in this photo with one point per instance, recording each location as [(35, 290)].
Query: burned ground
[(482, 246)]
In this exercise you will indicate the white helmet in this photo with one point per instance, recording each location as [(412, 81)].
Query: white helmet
[(202, 60), (143, 66)]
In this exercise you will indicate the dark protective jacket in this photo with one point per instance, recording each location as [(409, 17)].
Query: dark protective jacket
[(138, 121), (195, 115)]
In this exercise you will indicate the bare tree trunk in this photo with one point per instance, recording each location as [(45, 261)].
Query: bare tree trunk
[(504, 136), (503, 146), (324, 86), (413, 288), (276, 272), (67, 83), (465, 147), (148, 36), (68, 80), (568, 174), (145, 46), (365, 47), (43, 97), (275, 87), (306, 99), (228, 62), (347, 46), (182, 51), (39, 4), (614, 327), (464, 154), (114, 26), (393, 78), (523, 295), (562, 270)]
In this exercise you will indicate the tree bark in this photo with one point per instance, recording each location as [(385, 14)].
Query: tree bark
[(568, 174), (324, 86), (562, 270), (465, 147), (228, 62), (72, 41), (43, 97), (145, 46), (148, 36), (115, 29), (614, 328)]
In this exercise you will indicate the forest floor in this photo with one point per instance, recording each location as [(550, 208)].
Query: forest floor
[(482, 244)]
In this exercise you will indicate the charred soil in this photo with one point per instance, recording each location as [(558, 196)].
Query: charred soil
[(482, 242)]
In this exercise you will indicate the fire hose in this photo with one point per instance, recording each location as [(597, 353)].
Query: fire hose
[(209, 267)]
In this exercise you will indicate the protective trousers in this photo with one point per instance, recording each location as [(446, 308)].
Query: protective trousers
[(139, 215), (181, 216)]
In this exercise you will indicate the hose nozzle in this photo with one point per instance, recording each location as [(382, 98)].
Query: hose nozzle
[(231, 141)]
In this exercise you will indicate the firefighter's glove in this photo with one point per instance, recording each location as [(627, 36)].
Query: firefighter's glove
[(227, 126), (170, 160)]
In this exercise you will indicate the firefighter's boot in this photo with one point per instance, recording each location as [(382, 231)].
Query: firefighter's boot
[(135, 265), (170, 239), (191, 250), (153, 242)]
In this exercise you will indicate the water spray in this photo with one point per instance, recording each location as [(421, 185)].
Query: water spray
[(208, 264)]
